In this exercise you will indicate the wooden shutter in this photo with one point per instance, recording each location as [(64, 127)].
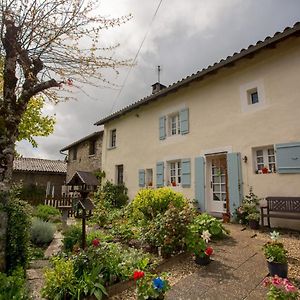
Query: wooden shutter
[(184, 121), (141, 178), (235, 181), (200, 182), (160, 174), (287, 158), (162, 128), (186, 172)]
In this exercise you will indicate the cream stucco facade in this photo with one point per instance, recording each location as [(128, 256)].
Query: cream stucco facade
[(221, 120)]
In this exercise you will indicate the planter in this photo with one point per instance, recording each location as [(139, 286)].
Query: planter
[(254, 224), (161, 297), (226, 217), (278, 269), (202, 261)]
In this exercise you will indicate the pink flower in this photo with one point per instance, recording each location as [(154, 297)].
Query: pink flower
[(277, 281), (95, 242), (290, 288)]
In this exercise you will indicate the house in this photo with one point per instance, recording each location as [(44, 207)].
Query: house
[(84, 154), (215, 133), (43, 176)]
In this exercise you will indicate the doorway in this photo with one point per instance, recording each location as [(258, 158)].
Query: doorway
[(217, 182)]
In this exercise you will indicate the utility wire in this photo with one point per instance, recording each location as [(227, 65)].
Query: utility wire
[(135, 58)]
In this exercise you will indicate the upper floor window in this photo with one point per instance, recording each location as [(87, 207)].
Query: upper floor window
[(175, 172), (74, 153), (265, 160), (92, 147), (253, 96), (113, 138), (174, 124)]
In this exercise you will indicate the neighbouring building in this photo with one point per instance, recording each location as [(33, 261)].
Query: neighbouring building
[(214, 134), (84, 154), (43, 176)]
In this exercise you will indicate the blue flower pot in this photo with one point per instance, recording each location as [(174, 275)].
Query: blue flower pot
[(278, 269), (202, 261)]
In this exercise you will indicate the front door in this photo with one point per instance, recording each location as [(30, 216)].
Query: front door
[(218, 183)]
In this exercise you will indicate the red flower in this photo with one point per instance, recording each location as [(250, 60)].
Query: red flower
[(138, 274), (95, 242), (209, 251)]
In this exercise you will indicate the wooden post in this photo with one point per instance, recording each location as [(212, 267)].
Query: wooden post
[(83, 229)]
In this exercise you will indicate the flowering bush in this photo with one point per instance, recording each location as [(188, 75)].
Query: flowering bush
[(280, 289), (151, 285), (198, 244), (274, 251)]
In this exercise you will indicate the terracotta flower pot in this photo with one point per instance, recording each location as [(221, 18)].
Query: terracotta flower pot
[(202, 261), (226, 217), (278, 269)]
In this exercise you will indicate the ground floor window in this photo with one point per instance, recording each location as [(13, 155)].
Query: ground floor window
[(120, 174), (265, 160), (175, 173), (149, 177)]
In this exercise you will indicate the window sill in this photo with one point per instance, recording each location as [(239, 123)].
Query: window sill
[(111, 148), (261, 173), (92, 155)]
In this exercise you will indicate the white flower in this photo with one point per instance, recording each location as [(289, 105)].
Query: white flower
[(206, 236), (274, 235)]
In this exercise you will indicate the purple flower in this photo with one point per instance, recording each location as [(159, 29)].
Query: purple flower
[(158, 283)]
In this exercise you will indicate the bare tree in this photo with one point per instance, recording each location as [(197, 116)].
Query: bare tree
[(41, 45)]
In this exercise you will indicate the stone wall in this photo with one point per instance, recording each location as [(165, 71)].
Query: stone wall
[(3, 227)]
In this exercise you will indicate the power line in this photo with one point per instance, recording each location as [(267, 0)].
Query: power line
[(135, 58)]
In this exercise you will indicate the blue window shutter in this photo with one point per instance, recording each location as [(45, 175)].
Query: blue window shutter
[(184, 121), (200, 182), (160, 174), (162, 128), (141, 178), (288, 158), (185, 172), (235, 181)]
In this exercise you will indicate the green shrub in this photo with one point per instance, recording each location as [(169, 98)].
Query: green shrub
[(72, 237), (207, 222), (18, 231), (47, 213), (42, 232), (13, 287), (36, 253), (148, 203)]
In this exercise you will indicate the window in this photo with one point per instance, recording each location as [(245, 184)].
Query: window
[(265, 160), (92, 147), (175, 173), (174, 124), (149, 177), (113, 138), (253, 96), (74, 153), (120, 173)]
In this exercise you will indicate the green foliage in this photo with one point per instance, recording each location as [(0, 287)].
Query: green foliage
[(33, 123), (72, 237), (18, 231), (97, 234), (148, 203), (13, 287), (46, 212), (194, 242), (33, 194), (36, 252), (146, 286), (60, 281), (168, 230), (42, 232), (275, 252), (205, 221), (114, 194)]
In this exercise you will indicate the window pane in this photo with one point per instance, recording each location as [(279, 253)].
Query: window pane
[(260, 160), (254, 97), (271, 151), (259, 152)]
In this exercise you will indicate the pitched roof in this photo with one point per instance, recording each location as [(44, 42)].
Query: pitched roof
[(80, 177), (90, 136), (39, 165), (268, 42)]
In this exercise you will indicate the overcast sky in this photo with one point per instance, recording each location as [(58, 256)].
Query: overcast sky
[(185, 37)]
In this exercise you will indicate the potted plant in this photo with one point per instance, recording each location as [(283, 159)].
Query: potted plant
[(253, 219), (265, 170), (276, 256), (280, 288), (173, 183), (198, 245), (150, 286)]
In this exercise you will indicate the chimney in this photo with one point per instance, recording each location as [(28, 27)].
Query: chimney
[(156, 87)]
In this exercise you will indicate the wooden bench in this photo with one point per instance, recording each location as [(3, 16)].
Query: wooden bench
[(281, 207)]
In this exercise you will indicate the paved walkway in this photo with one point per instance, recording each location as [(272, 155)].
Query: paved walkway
[(236, 272)]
